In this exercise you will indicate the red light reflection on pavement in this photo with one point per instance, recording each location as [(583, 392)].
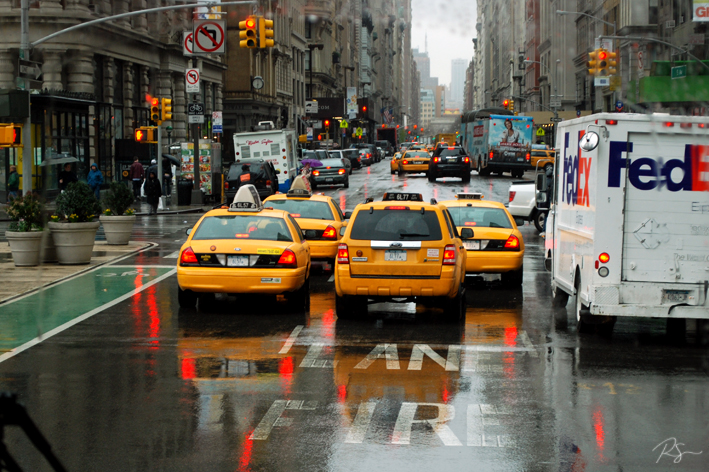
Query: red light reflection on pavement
[(511, 336), (285, 371), (445, 394), (508, 359), (341, 393), (598, 423), (343, 202), (189, 368), (327, 329), (135, 310), (154, 329), (245, 458)]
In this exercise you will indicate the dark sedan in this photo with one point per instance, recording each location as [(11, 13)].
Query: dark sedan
[(332, 172), (450, 162), (258, 172)]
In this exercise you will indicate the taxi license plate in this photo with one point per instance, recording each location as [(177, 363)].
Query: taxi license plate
[(472, 245), (675, 295), (237, 261), (395, 255), (417, 162)]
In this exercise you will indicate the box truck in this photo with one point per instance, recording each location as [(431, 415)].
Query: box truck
[(277, 146)]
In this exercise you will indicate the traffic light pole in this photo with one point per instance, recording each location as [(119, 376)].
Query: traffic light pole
[(160, 175), (658, 41), (27, 157)]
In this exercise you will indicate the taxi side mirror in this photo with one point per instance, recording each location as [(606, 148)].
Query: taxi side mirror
[(466, 233), (188, 231), (348, 215), (343, 228)]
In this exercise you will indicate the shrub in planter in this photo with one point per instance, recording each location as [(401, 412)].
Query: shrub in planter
[(73, 228), (25, 231), (118, 217), (77, 204)]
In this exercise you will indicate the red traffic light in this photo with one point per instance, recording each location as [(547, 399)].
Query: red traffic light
[(16, 135), (155, 102), (397, 126), (250, 23), (327, 122), (602, 56), (364, 109), (506, 103), (416, 126)]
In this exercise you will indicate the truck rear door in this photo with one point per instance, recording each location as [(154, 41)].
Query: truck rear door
[(666, 231)]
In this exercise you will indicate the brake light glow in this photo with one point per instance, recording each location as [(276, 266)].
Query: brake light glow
[(470, 223), (604, 257), (396, 208), (668, 124), (512, 195), (491, 154), (405, 162), (512, 242), (701, 125), (288, 259), (450, 148), (316, 172), (528, 156), (341, 171), (188, 257), (611, 122), (295, 215), (466, 160), (449, 255), (226, 185), (330, 233), (343, 254), (436, 159)]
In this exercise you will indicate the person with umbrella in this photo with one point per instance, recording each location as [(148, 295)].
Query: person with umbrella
[(66, 177), (305, 171)]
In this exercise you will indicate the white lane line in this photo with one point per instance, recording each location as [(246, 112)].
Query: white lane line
[(361, 423), (332, 278), (528, 344), (291, 339), (172, 255), (149, 266), (85, 316)]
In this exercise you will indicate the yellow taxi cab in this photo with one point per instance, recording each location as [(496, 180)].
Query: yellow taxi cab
[(413, 162), (245, 248), (394, 163), (318, 216), (400, 248), (542, 158), (496, 246)]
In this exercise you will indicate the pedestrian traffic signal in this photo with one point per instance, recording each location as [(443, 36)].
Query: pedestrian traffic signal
[(10, 136), (612, 63), (155, 110), (505, 104), (166, 109), (247, 33), (145, 134), (265, 29)]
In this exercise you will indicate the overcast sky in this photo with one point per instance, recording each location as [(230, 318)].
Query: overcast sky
[(450, 25)]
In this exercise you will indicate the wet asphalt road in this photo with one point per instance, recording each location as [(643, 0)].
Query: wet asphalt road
[(243, 385)]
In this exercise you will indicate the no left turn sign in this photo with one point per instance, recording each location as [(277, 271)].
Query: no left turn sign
[(187, 43), (192, 81), (209, 36)]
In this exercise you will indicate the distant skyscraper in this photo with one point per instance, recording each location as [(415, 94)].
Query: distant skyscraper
[(423, 63), (458, 67)]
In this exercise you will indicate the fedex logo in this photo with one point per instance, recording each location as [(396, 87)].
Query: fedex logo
[(577, 170), (646, 173)]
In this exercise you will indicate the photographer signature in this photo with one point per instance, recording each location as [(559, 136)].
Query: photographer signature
[(670, 448)]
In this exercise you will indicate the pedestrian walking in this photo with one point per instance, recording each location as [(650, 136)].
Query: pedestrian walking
[(152, 192), (136, 174), (66, 177), (153, 167), (13, 183), (166, 177), (95, 180)]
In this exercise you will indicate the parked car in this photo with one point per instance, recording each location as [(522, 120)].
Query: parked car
[(353, 156), (332, 172), (261, 174), (450, 162), (341, 155)]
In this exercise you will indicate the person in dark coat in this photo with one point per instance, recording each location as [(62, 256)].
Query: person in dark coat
[(66, 177), (153, 192), (166, 176), (95, 180), (13, 183), (136, 174)]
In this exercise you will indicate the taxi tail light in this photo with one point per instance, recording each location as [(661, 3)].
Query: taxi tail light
[(288, 259), (405, 162), (329, 233), (466, 160), (449, 255), (316, 172), (512, 195), (512, 242), (188, 257), (343, 254), (341, 171)]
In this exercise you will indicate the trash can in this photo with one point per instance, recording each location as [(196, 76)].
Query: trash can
[(184, 192)]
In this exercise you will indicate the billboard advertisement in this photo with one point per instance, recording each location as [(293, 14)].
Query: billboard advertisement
[(511, 131), (701, 11)]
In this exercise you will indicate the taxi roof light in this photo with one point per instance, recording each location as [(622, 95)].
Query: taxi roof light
[(246, 199), (299, 188), (402, 197), (469, 196)]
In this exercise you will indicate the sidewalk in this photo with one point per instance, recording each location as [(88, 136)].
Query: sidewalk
[(19, 280)]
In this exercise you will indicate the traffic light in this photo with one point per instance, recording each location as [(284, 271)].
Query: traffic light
[(364, 109), (265, 29), (416, 126), (145, 134), (505, 104), (166, 109), (141, 136), (612, 63), (247, 33), (592, 63), (602, 66), (10, 136), (155, 110), (512, 105)]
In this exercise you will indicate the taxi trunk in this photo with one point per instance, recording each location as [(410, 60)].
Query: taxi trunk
[(487, 251), (396, 259)]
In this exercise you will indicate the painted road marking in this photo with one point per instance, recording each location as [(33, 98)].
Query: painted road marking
[(311, 358), (96, 294), (380, 351), (360, 425), (405, 420), (291, 339), (332, 278), (527, 343), (273, 417), (172, 255)]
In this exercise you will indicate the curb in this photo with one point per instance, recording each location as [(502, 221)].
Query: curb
[(148, 245)]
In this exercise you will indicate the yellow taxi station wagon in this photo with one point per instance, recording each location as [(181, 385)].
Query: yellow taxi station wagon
[(400, 249), (245, 248)]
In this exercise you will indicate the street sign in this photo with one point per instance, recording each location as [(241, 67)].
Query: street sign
[(195, 109), (696, 39), (359, 132), (192, 81), (555, 103), (209, 36), (30, 70), (344, 124), (187, 43), (606, 44), (309, 133), (541, 132), (195, 119), (602, 81), (555, 120), (311, 107), (679, 72), (217, 122)]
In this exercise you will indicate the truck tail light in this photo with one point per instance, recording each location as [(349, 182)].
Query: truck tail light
[(611, 122), (449, 255), (316, 172), (287, 259), (341, 171), (512, 195), (491, 154), (329, 233), (226, 185), (512, 242), (188, 257), (528, 156), (343, 254), (604, 257)]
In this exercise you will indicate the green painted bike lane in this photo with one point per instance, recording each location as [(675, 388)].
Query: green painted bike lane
[(29, 320)]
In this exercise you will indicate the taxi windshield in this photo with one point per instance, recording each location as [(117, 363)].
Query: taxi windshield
[(243, 227), (480, 217), (396, 225), (304, 208)]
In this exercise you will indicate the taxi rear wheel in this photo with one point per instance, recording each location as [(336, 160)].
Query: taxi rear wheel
[(300, 299), (186, 298), (455, 307), (513, 278), (348, 307)]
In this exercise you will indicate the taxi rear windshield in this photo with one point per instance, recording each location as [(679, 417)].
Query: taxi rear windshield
[(303, 208), (243, 227), (396, 225), (410, 154), (256, 169), (480, 217)]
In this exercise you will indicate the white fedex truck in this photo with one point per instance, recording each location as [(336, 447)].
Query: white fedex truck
[(277, 146), (628, 232)]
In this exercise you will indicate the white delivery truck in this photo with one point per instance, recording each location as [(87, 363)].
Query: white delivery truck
[(275, 146), (628, 231)]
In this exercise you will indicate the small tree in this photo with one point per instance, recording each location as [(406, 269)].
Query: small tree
[(77, 204), (118, 199)]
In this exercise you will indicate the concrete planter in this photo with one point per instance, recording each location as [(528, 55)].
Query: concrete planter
[(25, 246), (118, 229), (49, 250), (74, 241)]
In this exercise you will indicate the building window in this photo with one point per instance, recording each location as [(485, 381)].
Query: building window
[(307, 60)]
